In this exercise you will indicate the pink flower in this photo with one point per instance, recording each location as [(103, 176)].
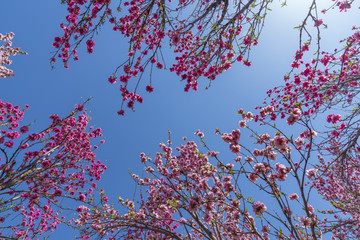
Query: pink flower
[(24, 146), (259, 167), (193, 205), (291, 120), (247, 40), (335, 134), (253, 177), (9, 144), (305, 221), (82, 197), (57, 193), (242, 124), (238, 159), (199, 133), (311, 173), (208, 217), (90, 43), (235, 148), (79, 107), (297, 80), (176, 39), (149, 88), (287, 211), (24, 129), (318, 22), (311, 209), (259, 208), (159, 65), (105, 198), (342, 126), (248, 116), (228, 186), (332, 118), (293, 196), (112, 79), (280, 142), (343, 6), (299, 141), (80, 208), (308, 134)]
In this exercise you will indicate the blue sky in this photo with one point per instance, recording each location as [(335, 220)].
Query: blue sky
[(36, 23)]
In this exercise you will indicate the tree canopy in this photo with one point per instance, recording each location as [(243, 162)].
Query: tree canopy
[(302, 141)]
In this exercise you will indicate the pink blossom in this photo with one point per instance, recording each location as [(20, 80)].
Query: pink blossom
[(235, 148), (82, 197), (299, 141), (311, 172), (259, 208), (310, 208), (253, 177), (199, 133), (149, 88), (242, 124), (343, 6), (293, 196), (318, 22), (305, 221), (24, 129)]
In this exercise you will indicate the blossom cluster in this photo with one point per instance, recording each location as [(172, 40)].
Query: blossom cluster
[(203, 46), (182, 192), (44, 169), (318, 88), (6, 51), (191, 194)]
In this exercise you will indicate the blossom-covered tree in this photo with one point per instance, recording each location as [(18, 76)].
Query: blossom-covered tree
[(306, 136), (207, 36), (306, 147), (44, 175)]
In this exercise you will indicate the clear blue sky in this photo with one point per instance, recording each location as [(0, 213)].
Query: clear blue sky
[(36, 23)]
